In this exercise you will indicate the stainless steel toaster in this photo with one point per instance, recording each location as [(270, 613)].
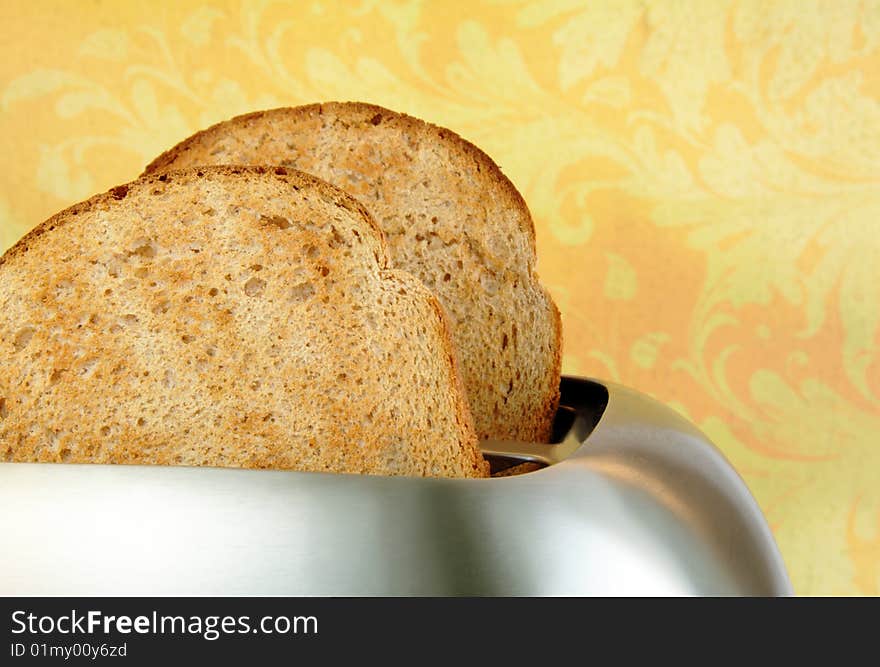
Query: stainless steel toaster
[(638, 502)]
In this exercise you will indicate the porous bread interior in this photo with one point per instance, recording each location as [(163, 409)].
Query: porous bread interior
[(450, 217), (228, 317)]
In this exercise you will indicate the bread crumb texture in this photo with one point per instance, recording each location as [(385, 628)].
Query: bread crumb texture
[(240, 317), (451, 218)]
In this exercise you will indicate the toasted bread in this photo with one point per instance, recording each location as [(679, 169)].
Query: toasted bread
[(451, 218), (240, 317)]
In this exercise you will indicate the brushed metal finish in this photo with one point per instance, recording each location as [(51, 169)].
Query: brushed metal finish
[(644, 506)]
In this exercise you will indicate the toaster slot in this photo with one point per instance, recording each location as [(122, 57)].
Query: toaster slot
[(582, 404)]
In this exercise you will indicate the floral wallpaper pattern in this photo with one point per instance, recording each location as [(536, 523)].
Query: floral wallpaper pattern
[(704, 177)]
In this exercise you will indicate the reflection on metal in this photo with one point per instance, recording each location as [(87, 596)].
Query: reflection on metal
[(638, 503)]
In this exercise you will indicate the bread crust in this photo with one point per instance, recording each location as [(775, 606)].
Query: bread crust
[(167, 159), (120, 191)]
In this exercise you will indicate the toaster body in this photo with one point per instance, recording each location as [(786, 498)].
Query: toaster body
[(644, 505)]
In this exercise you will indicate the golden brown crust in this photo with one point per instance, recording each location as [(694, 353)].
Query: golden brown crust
[(481, 465), (554, 373), (115, 193), (166, 160)]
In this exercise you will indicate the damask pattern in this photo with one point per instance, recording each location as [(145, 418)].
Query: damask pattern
[(704, 177)]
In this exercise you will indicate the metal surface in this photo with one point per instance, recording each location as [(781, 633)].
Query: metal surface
[(645, 506), (539, 452)]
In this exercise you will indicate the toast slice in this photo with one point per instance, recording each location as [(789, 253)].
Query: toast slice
[(450, 217), (226, 316)]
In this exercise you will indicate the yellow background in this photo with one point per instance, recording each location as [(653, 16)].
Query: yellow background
[(704, 177)]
